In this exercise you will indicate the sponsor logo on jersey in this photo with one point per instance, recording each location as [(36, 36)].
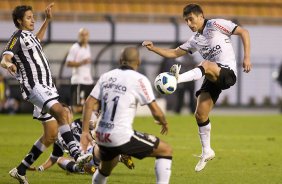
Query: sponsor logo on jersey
[(117, 87), (106, 125), (208, 53), (103, 137), (13, 43), (222, 28), (145, 91)]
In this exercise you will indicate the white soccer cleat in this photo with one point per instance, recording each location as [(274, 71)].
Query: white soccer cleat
[(84, 159), (204, 158), (14, 173), (174, 70)]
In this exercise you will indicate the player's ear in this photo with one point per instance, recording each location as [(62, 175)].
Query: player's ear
[(20, 22)]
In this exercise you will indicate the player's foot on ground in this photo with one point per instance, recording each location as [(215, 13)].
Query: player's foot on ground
[(174, 70), (127, 161), (89, 169), (14, 173), (204, 158), (84, 159)]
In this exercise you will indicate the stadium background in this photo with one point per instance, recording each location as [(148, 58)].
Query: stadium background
[(114, 24)]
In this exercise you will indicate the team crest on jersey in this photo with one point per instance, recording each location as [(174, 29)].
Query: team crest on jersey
[(48, 93), (13, 43)]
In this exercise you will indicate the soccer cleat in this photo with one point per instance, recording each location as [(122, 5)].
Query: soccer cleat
[(204, 158), (89, 169), (174, 70), (84, 159), (14, 173), (127, 161)]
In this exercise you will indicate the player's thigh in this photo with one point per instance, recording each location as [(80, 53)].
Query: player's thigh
[(59, 113), (204, 106), (163, 149), (212, 70)]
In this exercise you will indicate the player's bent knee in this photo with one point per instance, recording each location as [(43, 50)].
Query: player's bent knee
[(200, 117)]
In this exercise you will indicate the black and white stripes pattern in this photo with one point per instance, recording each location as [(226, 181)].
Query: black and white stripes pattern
[(32, 64)]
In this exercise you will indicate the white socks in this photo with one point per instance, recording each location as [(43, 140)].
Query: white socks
[(98, 178), (191, 75), (163, 170), (205, 137)]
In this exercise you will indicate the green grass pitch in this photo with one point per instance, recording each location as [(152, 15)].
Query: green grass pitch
[(248, 151)]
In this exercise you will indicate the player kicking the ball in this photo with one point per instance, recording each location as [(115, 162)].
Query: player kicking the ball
[(212, 41)]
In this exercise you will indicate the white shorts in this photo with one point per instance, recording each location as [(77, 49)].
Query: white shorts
[(43, 98)]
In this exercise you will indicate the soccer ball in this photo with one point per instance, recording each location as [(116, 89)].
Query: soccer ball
[(165, 83)]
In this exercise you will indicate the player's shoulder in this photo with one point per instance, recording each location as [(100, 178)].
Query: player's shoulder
[(216, 22), (17, 34), (75, 45)]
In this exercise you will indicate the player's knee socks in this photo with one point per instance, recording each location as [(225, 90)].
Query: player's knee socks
[(192, 75), (99, 178), (69, 140), (36, 150), (68, 165), (205, 135), (163, 169)]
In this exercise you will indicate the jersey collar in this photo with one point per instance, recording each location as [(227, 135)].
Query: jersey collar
[(125, 67), (205, 23)]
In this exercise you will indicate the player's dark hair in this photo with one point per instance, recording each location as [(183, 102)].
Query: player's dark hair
[(192, 8), (19, 12)]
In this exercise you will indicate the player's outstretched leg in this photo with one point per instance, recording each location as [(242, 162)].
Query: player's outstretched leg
[(14, 173)]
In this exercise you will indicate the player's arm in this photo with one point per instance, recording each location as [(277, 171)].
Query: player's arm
[(168, 53), (159, 116), (48, 17), (78, 64), (91, 104), (245, 37), (6, 63), (47, 164)]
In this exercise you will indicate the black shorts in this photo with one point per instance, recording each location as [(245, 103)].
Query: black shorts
[(79, 93), (227, 78), (140, 146)]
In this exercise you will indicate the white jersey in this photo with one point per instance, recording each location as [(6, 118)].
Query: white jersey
[(214, 44), (81, 74), (120, 90)]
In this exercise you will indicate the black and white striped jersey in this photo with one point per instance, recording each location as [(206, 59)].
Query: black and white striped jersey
[(32, 64)]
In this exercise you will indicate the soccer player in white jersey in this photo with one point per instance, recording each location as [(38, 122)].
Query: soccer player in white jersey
[(79, 58), (212, 40), (68, 163), (23, 57), (117, 93)]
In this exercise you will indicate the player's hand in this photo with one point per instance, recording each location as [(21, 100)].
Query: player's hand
[(86, 61), (247, 66), (85, 139), (148, 44), (12, 69), (164, 129), (32, 168), (48, 11)]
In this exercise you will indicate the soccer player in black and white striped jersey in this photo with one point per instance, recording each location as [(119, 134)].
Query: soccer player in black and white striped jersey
[(23, 57)]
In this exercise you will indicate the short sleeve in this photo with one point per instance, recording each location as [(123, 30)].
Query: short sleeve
[(224, 26), (97, 90), (145, 94), (188, 46), (72, 53), (13, 46)]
